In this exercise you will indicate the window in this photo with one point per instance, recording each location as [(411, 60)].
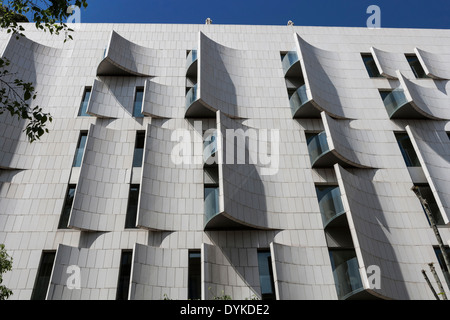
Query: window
[(384, 93), (132, 208), (80, 149), (123, 284), (266, 275), (426, 193), (139, 149), (442, 264), (43, 275), (65, 214), (138, 100), (407, 149), (84, 103), (415, 65), (194, 275), (370, 64)]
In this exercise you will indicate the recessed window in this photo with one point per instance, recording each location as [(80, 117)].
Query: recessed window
[(194, 275), (43, 275), (123, 284), (84, 103), (65, 214), (427, 194), (138, 100), (371, 66), (266, 275), (139, 149), (80, 149), (415, 65), (132, 208), (407, 149)]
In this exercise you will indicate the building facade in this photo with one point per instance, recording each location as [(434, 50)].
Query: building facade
[(253, 162)]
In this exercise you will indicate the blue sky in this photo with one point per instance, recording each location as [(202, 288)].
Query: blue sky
[(346, 13)]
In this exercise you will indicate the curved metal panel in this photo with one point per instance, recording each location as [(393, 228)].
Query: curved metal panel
[(435, 65), (334, 83), (431, 102), (433, 150), (293, 270), (172, 178), (157, 272), (101, 194)]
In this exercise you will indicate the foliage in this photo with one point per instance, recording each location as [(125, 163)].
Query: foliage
[(5, 266), (16, 95)]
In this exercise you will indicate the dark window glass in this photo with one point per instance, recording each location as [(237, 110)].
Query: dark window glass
[(84, 103), (415, 65), (370, 64), (138, 99), (266, 275), (43, 275), (123, 284), (65, 214), (407, 149), (139, 149), (426, 193), (132, 208), (194, 276), (384, 93), (442, 264), (80, 149)]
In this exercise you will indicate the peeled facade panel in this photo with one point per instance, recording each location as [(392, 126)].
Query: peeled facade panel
[(359, 148), (251, 176), (227, 80), (336, 83), (101, 195), (433, 150), (377, 202), (389, 62), (113, 97), (97, 276), (431, 102), (231, 272), (163, 101), (158, 273), (172, 178), (123, 57), (294, 270), (435, 65), (44, 67)]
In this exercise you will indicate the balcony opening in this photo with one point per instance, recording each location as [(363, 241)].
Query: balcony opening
[(330, 204), (345, 272)]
